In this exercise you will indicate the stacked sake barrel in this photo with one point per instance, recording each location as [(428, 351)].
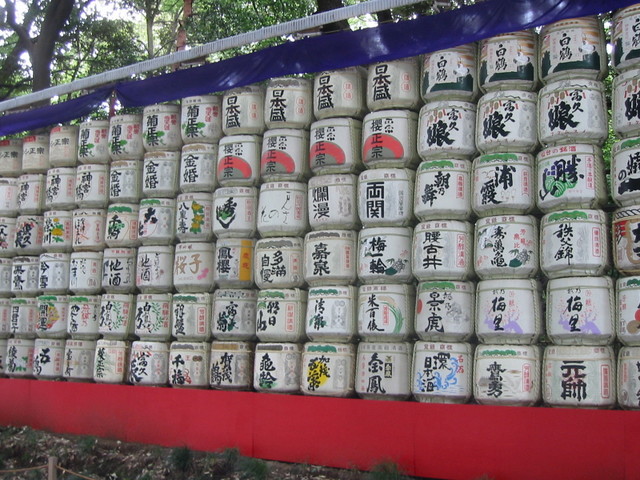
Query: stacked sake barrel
[(626, 195)]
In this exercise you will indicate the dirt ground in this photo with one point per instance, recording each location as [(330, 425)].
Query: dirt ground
[(101, 459)]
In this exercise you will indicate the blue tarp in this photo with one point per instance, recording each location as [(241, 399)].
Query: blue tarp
[(327, 52)]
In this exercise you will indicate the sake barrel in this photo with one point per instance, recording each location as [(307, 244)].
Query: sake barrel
[(446, 129), (85, 273), (383, 370), (60, 188), (445, 311), (29, 234), (189, 364), (9, 190), (279, 262), (277, 367), (625, 38), (509, 312), (235, 212), (35, 154), (161, 128), (191, 317), (507, 375), (125, 181), (580, 311), (443, 250), (6, 279), (335, 146), (508, 60), (48, 358), (156, 221), (152, 317), (282, 209), (53, 311), (234, 262), (63, 146), (125, 137), (111, 361), (231, 365), (24, 317), (384, 255), (443, 190), (19, 358), (330, 257), (198, 167), (628, 381), (385, 197), (625, 172), (194, 217), (332, 313), (332, 202), (193, 267), (83, 318), (234, 314), (149, 363), (288, 103), (79, 356), (579, 376), (285, 155), (450, 73), (393, 84), (7, 236), (626, 245), (239, 160), (3, 356), (121, 229), (54, 273), (117, 316), (88, 229), (10, 157), (160, 171), (386, 312), (389, 139), (340, 93), (5, 319), (57, 231), (154, 269), (25, 272), (119, 270), (93, 142), (243, 111), (201, 119), (31, 193), (328, 369), (280, 315), (625, 116), (627, 310)]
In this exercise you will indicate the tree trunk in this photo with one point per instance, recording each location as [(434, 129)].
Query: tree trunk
[(326, 5)]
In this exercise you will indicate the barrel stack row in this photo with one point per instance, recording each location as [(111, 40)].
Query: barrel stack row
[(334, 197)]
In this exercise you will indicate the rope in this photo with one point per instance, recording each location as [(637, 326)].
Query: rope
[(19, 470), (74, 473)]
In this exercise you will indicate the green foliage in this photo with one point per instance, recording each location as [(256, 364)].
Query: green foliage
[(386, 470), (181, 459), (86, 444), (253, 468)]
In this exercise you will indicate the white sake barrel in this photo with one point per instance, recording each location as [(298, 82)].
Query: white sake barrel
[(507, 375), (29, 234), (154, 269), (340, 93), (280, 315), (24, 317), (160, 174), (234, 314), (509, 312), (579, 376), (389, 139), (285, 155), (443, 190), (574, 47), (625, 38), (6, 279), (191, 317), (121, 228), (79, 356), (507, 122), (152, 317), (231, 365), (282, 209), (625, 112), (161, 127), (385, 197), (330, 257), (5, 318), (116, 316), (119, 270), (328, 369), (277, 367), (574, 243), (243, 111), (450, 73), (83, 319), (198, 167), (25, 272), (234, 262), (239, 160), (384, 255), (111, 361), (628, 380), (93, 142), (394, 84), (3, 356), (626, 243), (156, 221), (57, 233), (125, 181), (625, 172), (335, 146), (63, 146), (442, 372), (506, 246), (627, 310), (60, 188), (332, 313), (332, 202), (31, 193), (508, 60), (9, 196), (10, 157), (570, 176), (193, 267), (54, 273), (88, 230), (189, 364), (201, 119), (288, 103), (19, 359), (53, 312), (194, 217), (235, 212), (580, 311), (125, 137), (279, 262), (149, 363), (503, 183), (445, 311), (446, 129), (443, 250), (572, 111), (7, 236), (35, 154), (48, 359), (386, 312), (85, 273), (383, 370)]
